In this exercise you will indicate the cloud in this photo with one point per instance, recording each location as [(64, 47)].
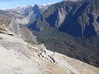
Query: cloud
[(6, 4), (11, 4)]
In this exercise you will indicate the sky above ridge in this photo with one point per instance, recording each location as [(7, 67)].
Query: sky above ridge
[(6, 4)]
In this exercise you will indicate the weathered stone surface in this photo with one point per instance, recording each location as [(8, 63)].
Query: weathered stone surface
[(20, 57)]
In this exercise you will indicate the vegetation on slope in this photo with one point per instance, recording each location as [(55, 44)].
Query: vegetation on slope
[(85, 49)]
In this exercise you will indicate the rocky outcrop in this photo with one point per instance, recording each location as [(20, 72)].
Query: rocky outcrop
[(27, 35), (16, 24), (20, 57)]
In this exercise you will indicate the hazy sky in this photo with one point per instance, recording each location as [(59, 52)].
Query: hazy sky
[(5, 4)]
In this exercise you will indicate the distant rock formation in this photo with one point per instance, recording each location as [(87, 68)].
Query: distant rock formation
[(75, 18)]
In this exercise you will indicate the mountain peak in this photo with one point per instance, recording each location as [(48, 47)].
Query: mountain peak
[(35, 5)]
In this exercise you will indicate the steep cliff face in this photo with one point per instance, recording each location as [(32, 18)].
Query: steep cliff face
[(78, 18), (71, 28)]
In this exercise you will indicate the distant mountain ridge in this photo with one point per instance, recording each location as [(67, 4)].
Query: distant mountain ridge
[(31, 12), (75, 18), (16, 20)]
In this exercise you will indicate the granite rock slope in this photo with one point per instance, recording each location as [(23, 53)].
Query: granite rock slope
[(20, 57)]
